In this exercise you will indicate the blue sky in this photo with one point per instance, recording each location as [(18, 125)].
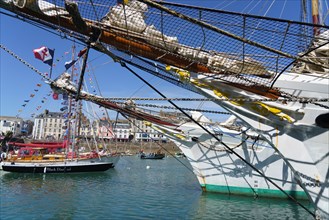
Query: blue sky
[(19, 82)]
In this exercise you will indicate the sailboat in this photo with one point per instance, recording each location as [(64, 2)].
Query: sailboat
[(62, 157), (275, 85), (41, 158)]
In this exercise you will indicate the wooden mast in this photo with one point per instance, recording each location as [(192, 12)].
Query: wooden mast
[(315, 16)]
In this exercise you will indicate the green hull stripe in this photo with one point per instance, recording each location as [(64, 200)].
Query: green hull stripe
[(248, 191)]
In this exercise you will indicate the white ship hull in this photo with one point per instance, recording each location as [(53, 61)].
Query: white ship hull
[(301, 142), (218, 170)]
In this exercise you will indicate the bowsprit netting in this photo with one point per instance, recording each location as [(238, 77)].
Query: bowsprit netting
[(233, 47)]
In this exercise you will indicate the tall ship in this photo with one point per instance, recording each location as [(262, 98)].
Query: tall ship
[(229, 159), (271, 73)]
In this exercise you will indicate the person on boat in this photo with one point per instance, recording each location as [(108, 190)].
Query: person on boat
[(3, 156), (5, 140)]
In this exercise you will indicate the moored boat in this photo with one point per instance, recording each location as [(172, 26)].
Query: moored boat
[(64, 166), (51, 158), (152, 156)]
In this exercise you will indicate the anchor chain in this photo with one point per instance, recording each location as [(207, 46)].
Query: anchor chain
[(292, 99), (170, 107)]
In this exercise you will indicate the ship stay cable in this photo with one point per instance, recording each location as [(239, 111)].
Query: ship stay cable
[(51, 82), (214, 136)]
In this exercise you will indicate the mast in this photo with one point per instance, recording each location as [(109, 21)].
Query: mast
[(315, 16), (69, 114)]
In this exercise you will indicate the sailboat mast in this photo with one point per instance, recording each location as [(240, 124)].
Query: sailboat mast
[(315, 16), (69, 127)]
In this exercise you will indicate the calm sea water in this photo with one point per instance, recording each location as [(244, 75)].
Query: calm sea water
[(167, 190)]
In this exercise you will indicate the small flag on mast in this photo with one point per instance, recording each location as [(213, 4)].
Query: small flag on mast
[(70, 63), (44, 54)]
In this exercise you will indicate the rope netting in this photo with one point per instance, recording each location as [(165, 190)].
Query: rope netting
[(150, 35)]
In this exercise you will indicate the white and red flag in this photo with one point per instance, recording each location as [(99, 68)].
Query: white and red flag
[(44, 54)]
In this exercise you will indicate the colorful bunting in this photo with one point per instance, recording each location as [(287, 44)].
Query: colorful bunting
[(63, 108), (55, 96)]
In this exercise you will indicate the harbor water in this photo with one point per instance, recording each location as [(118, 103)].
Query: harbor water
[(134, 189)]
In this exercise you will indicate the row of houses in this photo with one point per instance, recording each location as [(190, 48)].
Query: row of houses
[(55, 126)]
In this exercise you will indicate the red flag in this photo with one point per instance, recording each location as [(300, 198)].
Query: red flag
[(83, 51)]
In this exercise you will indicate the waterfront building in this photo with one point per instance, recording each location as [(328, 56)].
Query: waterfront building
[(143, 133), (48, 125), (13, 124), (122, 130), (52, 126)]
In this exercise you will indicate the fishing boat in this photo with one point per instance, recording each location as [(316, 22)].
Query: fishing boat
[(277, 85)]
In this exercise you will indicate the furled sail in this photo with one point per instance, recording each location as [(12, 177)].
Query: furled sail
[(236, 48), (319, 54), (63, 85)]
